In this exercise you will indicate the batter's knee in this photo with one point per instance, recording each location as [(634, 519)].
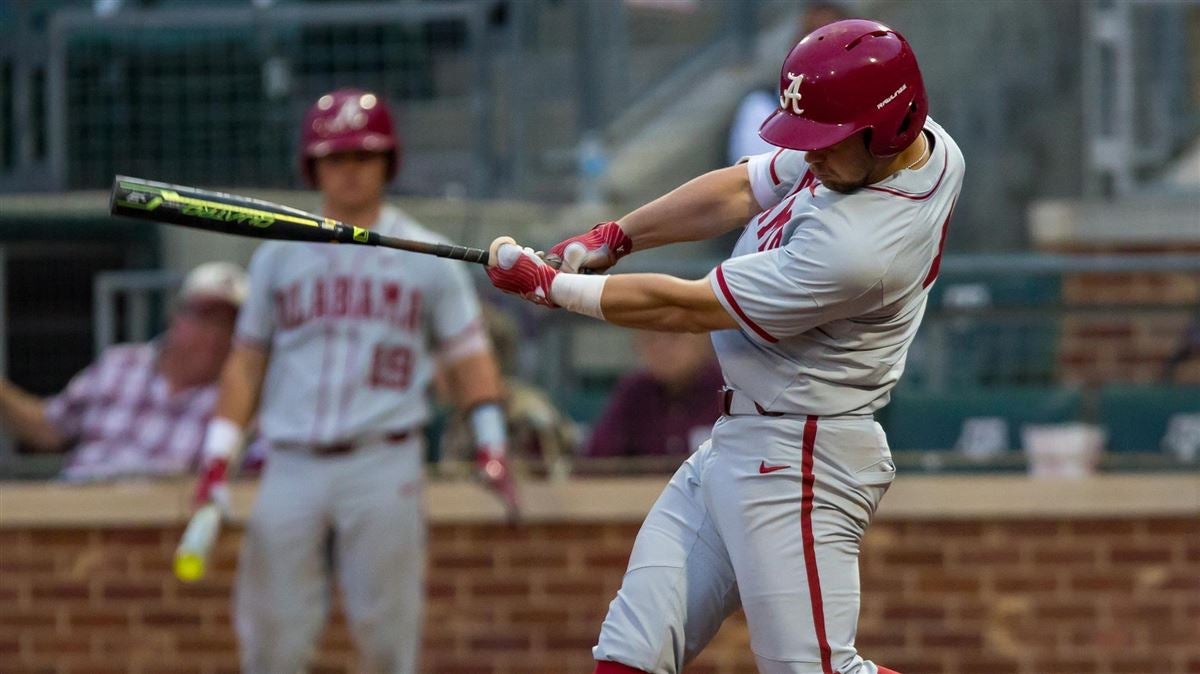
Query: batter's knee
[(389, 648), (644, 625), (388, 638), (274, 651), (274, 636)]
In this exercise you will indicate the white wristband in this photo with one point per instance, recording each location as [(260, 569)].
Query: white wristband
[(579, 293), (223, 439), (489, 427)]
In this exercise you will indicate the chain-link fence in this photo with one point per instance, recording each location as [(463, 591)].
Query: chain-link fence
[(212, 95), (493, 94)]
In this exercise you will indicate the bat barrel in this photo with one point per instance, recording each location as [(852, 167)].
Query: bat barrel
[(217, 212), (243, 216)]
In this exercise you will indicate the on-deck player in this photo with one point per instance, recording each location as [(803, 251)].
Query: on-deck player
[(811, 318), (333, 355)]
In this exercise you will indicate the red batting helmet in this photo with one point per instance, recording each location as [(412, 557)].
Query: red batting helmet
[(846, 77), (347, 120)]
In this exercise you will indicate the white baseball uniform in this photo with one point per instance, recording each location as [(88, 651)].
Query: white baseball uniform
[(348, 329), (828, 290)]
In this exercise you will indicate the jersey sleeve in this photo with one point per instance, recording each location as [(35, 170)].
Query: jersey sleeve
[(256, 318), (457, 318), (773, 174), (814, 279)]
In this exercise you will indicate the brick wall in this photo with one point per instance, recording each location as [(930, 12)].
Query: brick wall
[(1128, 346), (1085, 596)]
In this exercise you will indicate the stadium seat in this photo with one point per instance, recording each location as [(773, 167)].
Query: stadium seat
[(1137, 416), (924, 420), (979, 342)]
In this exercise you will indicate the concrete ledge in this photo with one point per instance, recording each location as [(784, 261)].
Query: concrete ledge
[(1161, 220), (47, 504)]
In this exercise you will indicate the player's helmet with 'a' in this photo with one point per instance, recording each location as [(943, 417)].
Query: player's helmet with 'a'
[(847, 77), (347, 120)]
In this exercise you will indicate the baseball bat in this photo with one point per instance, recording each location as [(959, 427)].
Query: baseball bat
[(244, 216)]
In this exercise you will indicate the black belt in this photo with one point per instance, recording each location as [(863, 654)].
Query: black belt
[(735, 403), (348, 446)]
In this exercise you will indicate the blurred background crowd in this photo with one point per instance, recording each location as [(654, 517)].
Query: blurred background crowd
[(1067, 317)]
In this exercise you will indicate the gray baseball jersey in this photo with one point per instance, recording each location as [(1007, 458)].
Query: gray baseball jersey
[(829, 288), (349, 329)]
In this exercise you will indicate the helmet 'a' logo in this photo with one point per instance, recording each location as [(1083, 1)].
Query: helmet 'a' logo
[(790, 98), (350, 117)]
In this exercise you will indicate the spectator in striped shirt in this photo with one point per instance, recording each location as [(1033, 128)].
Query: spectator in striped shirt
[(139, 410)]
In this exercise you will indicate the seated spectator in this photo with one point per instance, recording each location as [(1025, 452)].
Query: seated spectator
[(756, 105), (1183, 367), (140, 409), (666, 408), (540, 437)]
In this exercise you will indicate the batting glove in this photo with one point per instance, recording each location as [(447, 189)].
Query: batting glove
[(213, 486), (493, 470), (596, 250), (223, 440), (520, 271)]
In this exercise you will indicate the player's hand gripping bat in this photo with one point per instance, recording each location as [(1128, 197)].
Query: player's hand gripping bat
[(233, 214)]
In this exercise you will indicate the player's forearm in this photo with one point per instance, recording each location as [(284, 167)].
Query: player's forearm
[(24, 415), (703, 208), (241, 384), (663, 303), (475, 379)]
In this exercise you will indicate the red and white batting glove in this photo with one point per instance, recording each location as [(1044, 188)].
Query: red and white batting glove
[(223, 441), (213, 486), (492, 467), (595, 250), (520, 271)]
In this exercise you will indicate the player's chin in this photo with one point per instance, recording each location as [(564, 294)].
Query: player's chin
[(842, 187), (356, 197)]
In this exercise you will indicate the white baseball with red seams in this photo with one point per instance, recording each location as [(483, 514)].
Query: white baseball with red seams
[(828, 290)]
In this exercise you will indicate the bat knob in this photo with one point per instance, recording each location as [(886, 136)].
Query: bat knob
[(503, 252), (189, 566)]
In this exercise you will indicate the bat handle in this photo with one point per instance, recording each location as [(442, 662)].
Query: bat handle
[(191, 557), (446, 250), (466, 253)]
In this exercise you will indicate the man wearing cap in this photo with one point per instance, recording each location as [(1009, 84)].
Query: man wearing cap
[(140, 409)]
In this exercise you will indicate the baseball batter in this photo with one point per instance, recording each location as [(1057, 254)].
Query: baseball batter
[(811, 318), (334, 356)]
